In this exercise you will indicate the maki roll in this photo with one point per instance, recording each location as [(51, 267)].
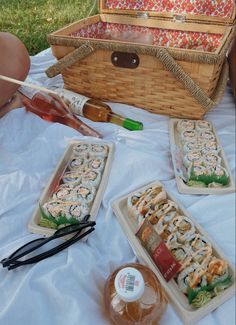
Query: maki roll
[(85, 193), (77, 162), (147, 204), (188, 135), (217, 270), (91, 177), (192, 157), (96, 163), (183, 125), (63, 212), (182, 254), (193, 276), (212, 159), (201, 125), (184, 228), (81, 150), (206, 135), (191, 145), (131, 202), (98, 150), (72, 178), (201, 255), (64, 193), (210, 146)]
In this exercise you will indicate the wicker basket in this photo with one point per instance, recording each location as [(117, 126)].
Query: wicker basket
[(183, 80)]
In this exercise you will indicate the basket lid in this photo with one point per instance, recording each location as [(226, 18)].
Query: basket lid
[(221, 11)]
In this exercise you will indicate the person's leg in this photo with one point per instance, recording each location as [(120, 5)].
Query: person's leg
[(14, 63)]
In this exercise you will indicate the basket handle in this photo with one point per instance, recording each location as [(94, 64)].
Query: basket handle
[(69, 59), (196, 91)]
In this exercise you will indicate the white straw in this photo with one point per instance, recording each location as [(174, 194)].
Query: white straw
[(26, 84)]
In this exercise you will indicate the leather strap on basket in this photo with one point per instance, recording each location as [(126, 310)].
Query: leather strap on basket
[(162, 54), (69, 59)]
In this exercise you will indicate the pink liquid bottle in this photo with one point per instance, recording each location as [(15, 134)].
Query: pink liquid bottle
[(133, 295)]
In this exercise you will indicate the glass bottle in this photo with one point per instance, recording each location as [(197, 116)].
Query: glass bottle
[(95, 110), (51, 108), (133, 295)]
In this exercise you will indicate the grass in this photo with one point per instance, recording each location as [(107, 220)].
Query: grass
[(33, 20)]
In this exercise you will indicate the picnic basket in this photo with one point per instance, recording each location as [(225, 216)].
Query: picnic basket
[(173, 61)]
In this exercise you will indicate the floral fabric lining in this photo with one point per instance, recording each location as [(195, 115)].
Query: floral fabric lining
[(216, 8), (151, 36)]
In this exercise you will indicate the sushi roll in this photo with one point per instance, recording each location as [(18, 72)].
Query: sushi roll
[(85, 193), (63, 212), (77, 162), (131, 202), (192, 276), (210, 146), (203, 125), (183, 125), (164, 223), (64, 193), (91, 177), (202, 254), (219, 176), (147, 204), (212, 159), (192, 157), (171, 240), (198, 176), (191, 145), (184, 228), (217, 270), (198, 241), (72, 178), (188, 135), (96, 163), (182, 254), (81, 150), (98, 150), (74, 210), (206, 135)]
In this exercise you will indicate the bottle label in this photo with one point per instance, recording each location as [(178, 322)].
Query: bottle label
[(74, 101), (164, 260)]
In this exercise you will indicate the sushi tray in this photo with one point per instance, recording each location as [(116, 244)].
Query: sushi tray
[(204, 279), (199, 160), (75, 189)]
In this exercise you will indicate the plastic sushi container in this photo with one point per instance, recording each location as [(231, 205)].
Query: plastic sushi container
[(75, 188), (186, 310), (200, 164)]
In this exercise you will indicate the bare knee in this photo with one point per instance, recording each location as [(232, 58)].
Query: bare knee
[(14, 63)]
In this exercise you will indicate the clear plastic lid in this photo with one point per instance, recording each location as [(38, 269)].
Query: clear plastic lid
[(129, 284)]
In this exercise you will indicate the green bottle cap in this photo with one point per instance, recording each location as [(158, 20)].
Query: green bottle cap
[(132, 125)]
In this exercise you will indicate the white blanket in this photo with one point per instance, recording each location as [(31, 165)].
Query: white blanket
[(67, 288)]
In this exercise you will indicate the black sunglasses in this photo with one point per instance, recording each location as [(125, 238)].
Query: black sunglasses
[(13, 261)]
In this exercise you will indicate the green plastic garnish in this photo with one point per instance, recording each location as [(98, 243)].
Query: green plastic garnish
[(49, 221), (213, 289)]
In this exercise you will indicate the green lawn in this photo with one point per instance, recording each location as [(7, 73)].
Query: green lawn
[(33, 20)]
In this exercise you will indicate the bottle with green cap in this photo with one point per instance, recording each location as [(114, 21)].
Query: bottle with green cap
[(133, 295), (95, 110)]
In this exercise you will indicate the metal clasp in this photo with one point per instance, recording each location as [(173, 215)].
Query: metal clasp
[(142, 14), (179, 18)]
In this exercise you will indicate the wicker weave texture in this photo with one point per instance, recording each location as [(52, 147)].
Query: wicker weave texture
[(149, 86)]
